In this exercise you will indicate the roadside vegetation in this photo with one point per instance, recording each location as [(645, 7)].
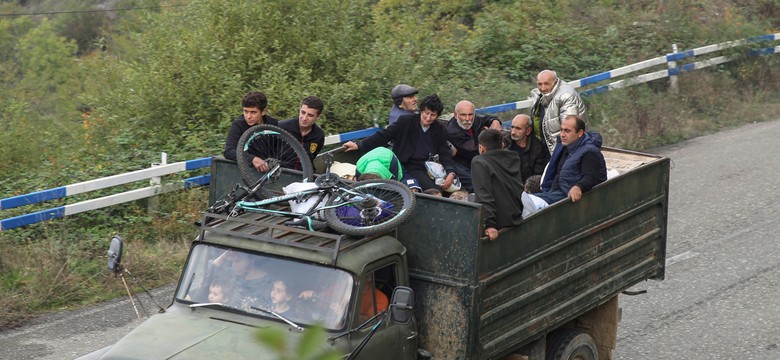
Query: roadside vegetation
[(91, 94)]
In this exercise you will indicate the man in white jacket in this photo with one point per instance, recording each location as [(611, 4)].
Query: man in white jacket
[(554, 99)]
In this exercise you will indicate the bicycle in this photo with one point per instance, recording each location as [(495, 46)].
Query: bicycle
[(361, 208), (276, 147), (273, 145)]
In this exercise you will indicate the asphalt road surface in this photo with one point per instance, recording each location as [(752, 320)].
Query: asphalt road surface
[(720, 299), (721, 295), (71, 334)]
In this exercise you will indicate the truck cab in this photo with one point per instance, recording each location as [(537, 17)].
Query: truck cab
[(330, 280)]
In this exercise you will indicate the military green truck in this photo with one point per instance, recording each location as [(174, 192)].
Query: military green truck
[(546, 289)]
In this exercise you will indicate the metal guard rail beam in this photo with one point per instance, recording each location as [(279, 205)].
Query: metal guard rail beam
[(524, 104), (59, 212), (102, 183)]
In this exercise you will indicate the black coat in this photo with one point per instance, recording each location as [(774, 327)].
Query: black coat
[(497, 186), (237, 129), (533, 159), (466, 144), (404, 134), (312, 142)]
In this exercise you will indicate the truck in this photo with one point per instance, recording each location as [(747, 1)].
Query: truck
[(546, 289)]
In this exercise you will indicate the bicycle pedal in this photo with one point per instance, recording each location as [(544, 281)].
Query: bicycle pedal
[(315, 225), (300, 223)]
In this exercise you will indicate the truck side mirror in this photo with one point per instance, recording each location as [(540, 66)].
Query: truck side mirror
[(115, 255), (401, 305)]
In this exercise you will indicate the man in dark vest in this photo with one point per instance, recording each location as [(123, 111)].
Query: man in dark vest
[(576, 165)]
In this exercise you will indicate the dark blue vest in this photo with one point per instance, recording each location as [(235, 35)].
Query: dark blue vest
[(570, 170)]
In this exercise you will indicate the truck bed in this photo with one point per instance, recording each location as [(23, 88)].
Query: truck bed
[(560, 263)]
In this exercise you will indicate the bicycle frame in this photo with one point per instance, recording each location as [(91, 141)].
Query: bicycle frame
[(323, 192)]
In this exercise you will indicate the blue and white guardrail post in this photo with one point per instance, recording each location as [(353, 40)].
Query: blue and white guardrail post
[(86, 186)]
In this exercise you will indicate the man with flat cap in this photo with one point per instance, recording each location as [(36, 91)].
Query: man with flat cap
[(404, 102)]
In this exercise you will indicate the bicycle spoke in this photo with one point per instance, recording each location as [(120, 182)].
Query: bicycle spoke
[(272, 144)]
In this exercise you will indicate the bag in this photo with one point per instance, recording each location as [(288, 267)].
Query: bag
[(351, 215), (437, 173), (303, 205)]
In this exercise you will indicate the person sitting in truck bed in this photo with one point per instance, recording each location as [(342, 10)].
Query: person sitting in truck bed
[(576, 165), (415, 139), (497, 183), (304, 129), (461, 195), (532, 204), (463, 130), (254, 104), (380, 161)]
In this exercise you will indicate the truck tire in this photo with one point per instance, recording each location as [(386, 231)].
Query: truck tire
[(571, 344)]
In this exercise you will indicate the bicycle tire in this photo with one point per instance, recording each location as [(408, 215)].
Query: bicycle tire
[(270, 142), (353, 219)]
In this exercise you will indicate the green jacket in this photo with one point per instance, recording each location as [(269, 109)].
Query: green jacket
[(381, 161)]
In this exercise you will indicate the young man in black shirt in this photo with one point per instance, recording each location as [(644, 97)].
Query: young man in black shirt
[(255, 105), (303, 128)]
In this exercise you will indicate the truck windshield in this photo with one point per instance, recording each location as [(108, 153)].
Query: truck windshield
[(302, 292)]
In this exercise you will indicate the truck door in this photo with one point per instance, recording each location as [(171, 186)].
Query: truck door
[(374, 291)]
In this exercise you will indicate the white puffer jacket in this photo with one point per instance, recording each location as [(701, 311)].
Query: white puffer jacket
[(562, 101)]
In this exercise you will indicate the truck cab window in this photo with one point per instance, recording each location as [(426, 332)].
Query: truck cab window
[(306, 293), (376, 288)]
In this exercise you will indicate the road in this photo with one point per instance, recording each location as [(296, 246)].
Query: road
[(719, 300), (720, 296), (70, 334)]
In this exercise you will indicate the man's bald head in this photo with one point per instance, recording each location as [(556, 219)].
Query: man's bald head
[(521, 127), (546, 80)]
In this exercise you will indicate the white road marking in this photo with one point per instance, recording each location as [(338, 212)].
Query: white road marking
[(680, 257)]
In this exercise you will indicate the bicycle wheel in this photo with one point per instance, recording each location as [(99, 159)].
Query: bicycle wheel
[(273, 145), (370, 207)]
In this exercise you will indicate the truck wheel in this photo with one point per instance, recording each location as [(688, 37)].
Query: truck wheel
[(571, 344)]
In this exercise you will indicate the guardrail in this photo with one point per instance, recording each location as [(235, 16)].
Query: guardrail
[(166, 169), (669, 59), (153, 173)]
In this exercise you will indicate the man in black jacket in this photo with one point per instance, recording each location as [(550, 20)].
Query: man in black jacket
[(254, 104), (497, 183), (303, 128), (534, 155), (463, 130), (415, 139)]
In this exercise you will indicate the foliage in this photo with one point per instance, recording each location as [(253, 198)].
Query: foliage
[(308, 348)]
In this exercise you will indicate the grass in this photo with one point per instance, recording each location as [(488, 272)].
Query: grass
[(61, 264)]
